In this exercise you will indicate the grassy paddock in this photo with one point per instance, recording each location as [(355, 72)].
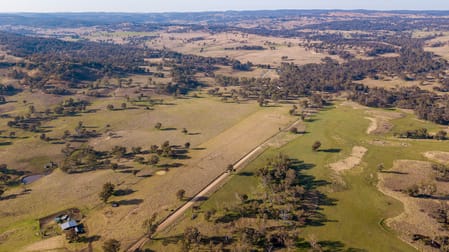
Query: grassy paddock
[(221, 132), (356, 220)]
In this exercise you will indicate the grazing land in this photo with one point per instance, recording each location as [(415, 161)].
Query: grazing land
[(288, 130), (356, 200)]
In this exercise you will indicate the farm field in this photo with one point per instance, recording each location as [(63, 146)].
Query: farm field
[(214, 145), (359, 216), (286, 130)]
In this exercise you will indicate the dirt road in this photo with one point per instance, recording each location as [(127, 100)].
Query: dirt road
[(208, 189)]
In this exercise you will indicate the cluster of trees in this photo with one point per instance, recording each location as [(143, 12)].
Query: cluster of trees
[(82, 159), (422, 133), (284, 205), (246, 47), (26, 123), (237, 65), (427, 105), (70, 107), (8, 177), (85, 158), (441, 172), (441, 243), (441, 215), (74, 61), (422, 190), (80, 134), (331, 76), (32, 121), (394, 23)]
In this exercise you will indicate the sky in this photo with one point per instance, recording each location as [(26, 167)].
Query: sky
[(212, 5)]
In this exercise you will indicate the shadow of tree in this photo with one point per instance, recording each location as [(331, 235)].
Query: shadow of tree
[(332, 150), (327, 246), (246, 174), (123, 192), (88, 239), (168, 129), (130, 202)]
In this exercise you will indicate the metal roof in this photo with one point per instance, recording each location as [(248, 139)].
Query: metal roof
[(69, 224)]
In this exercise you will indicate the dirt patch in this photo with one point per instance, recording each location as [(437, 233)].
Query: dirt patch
[(438, 156), (373, 125), (415, 219), (4, 236), (56, 243), (380, 121), (350, 162), (161, 173)]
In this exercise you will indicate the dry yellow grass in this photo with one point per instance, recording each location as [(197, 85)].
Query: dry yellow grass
[(381, 121), (390, 83), (256, 73), (57, 243), (158, 194), (438, 156), (415, 219), (213, 45), (227, 132), (442, 51)]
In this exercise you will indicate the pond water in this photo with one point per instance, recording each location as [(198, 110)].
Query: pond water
[(31, 179)]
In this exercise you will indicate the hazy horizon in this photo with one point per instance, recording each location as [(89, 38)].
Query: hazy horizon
[(141, 6)]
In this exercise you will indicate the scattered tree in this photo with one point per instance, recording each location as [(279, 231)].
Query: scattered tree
[(107, 191), (158, 125), (111, 245), (380, 167), (230, 168), (191, 236), (441, 135), (294, 130), (154, 160), (316, 145), (180, 194), (150, 225)]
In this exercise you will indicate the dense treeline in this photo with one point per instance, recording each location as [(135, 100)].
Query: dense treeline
[(413, 63), (75, 63), (288, 200), (396, 23)]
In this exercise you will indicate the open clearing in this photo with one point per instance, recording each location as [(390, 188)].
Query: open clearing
[(350, 162), (353, 220), (159, 122), (220, 141), (365, 215), (438, 156), (214, 45), (57, 243)]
